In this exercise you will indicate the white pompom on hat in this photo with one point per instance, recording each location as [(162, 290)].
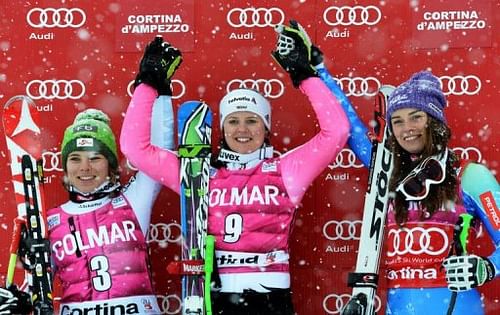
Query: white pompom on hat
[(245, 100)]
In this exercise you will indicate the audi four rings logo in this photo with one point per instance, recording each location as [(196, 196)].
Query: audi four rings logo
[(469, 153), (346, 159), (178, 88), (164, 233), (334, 303), (357, 86), (255, 17), (357, 15), (52, 161), (169, 304), (272, 88), (417, 241), (460, 85), (342, 230), (55, 89), (52, 17)]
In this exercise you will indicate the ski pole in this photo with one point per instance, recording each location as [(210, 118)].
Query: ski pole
[(460, 238), (14, 247), (209, 268)]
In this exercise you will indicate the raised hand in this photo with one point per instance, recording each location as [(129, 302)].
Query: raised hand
[(158, 65), (294, 52)]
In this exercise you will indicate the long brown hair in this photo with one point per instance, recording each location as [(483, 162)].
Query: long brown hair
[(438, 135)]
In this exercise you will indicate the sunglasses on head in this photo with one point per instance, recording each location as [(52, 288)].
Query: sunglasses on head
[(430, 171)]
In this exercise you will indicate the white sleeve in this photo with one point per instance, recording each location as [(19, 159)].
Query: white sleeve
[(141, 193), (142, 190), (162, 123)]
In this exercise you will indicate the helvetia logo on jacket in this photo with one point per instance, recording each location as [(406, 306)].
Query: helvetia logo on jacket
[(101, 309)]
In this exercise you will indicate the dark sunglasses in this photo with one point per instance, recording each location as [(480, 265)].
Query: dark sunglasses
[(432, 170)]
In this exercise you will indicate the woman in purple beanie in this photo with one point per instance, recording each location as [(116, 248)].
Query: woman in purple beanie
[(431, 189)]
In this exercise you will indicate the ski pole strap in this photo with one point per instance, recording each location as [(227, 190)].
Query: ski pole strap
[(362, 280)]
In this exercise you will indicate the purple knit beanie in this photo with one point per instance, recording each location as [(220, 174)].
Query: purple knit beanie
[(422, 91)]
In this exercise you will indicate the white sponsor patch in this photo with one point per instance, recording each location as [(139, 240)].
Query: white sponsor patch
[(84, 142), (53, 220), (118, 202), (269, 167)]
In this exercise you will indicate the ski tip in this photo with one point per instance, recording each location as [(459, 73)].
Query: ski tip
[(387, 89), (19, 98), (193, 104)]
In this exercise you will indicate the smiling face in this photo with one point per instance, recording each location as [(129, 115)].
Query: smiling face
[(409, 127), (86, 170), (244, 132)]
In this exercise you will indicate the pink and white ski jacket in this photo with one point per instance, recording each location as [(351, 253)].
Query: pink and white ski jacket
[(250, 210), (100, 254)]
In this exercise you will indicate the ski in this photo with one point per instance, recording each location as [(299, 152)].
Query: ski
[(194, 134), (364, 280), (22, 133)]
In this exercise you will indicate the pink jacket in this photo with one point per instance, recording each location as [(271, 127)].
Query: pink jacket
[(273, 188)]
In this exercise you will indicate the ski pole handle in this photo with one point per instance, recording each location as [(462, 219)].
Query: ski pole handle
[(14, 247), (462, 230)]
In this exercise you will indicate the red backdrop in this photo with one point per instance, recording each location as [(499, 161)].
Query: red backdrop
[(92, 48)]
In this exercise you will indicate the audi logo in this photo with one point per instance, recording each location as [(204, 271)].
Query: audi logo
[(460, 85), (469, 153), (357, 15), (417, 241), (176, 85), (52, 17), (164, 233), (52, 161), (255, 17), (334, 303), (55, 89), (272, 88), (357, 86), (342, 230), (346, 159), (169, 304)]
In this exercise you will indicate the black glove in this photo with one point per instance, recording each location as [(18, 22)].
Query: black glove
[(13, 301), (294, 52), (158, 65)]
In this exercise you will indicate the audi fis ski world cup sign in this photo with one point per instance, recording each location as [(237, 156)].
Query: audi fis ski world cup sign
[(137, 22)]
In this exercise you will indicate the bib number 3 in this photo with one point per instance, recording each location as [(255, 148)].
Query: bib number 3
[(102, 280)]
